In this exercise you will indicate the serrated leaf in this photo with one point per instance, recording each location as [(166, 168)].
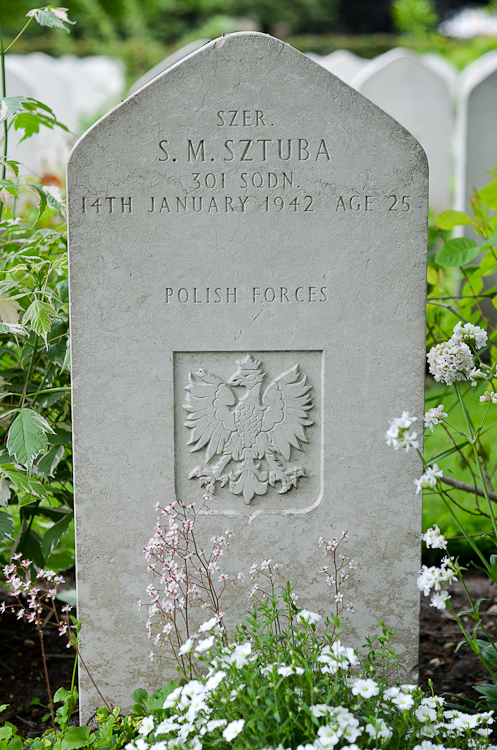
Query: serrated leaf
[(489, 194), (450, 219), (5, 492), (49, 462), (54, 534), (11, 105), (49, 17), (9, 311), (39, 315), (6, 526), (457, 252), (13, 329), (27, 436)]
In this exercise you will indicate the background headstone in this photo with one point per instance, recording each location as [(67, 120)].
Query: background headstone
[(343, 64), (176, 56), (420, 100), (217, 233)]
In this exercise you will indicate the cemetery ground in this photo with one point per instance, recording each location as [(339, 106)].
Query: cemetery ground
[(23, 686)]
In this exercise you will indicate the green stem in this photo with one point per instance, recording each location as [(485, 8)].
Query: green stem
[(465, 533), (5, 129), (19, 34)]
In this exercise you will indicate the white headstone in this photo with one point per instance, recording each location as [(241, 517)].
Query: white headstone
[(444, 68), (97, 83), (476, 139), (176, 56), (343, 64), (220, 236), (420, 100)]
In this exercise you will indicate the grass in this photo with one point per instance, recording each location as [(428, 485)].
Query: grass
[(471, 511)]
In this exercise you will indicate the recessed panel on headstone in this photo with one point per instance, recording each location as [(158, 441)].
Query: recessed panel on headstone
[(248, 276)]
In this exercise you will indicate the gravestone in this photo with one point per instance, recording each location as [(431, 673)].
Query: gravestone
[(170, 60), (21, 83), (221, 236), (476, 141), (420, 100), (442, 67), (343, 64)]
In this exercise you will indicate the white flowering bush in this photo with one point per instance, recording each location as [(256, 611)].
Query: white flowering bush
[(284, 683)]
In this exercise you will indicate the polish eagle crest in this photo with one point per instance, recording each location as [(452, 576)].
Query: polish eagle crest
[(255, 431)]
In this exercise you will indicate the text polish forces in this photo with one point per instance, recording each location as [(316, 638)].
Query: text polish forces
[(255, 294)]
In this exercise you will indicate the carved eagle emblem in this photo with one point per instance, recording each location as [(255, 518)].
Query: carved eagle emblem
[(256, 431)]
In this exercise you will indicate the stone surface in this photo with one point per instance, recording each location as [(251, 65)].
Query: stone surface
[(222, 235), (420, 99), (476, 144)]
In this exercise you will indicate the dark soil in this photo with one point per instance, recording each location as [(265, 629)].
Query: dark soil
[(22, 675)]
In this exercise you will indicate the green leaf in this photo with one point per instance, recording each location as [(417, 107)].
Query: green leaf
[(450, 219), (457, 252), (30, 547), (15, 744), (13, 329), (60, 437), (76, 737), (38, 313), (6, 526), (489, 194), (49, 462), (53, 536), (10, 106), (54, 17), (24, 484), (27, 436)]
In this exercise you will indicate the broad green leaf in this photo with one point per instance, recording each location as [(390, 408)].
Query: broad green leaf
[(53, 536), (15, 744), (10, 106), (76, 737), (60, 437), (431, 275), (30, 547), (489, 194), (491, 241), (38, 314), (450, 219), (457, 252), (24, 484), (49, 462), (51, 17), (6, 525), (27, 436)]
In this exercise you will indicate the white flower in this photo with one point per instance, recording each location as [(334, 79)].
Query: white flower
[(365, 688), (464, 721), (309, 618), (403, 701), (186, 647), (489, 396), (214, 724), (205, 645), (208, 625), (431, 578), (379, 729), (450, 361), (438, 600), (435, 416), (433, 701), (214, 681), (233, 729), (407, 440), (425, 713), (285, 671), (433, 538), (172, 698), (320, 709), (166, 726), (470, 334), (392, 692), (146, 726), (399, 434), (328, 736), (240, 655)]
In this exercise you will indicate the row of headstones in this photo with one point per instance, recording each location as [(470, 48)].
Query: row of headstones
[(452, 115), (78, 90)]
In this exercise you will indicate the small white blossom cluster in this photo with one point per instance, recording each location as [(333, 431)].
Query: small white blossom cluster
[(435, 416), (187, 579), (340, 572), (400, 435), (432, 578), (428, 479), (434, 538), (489, 396), (452, 360), (205, 711), (40, 596)]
